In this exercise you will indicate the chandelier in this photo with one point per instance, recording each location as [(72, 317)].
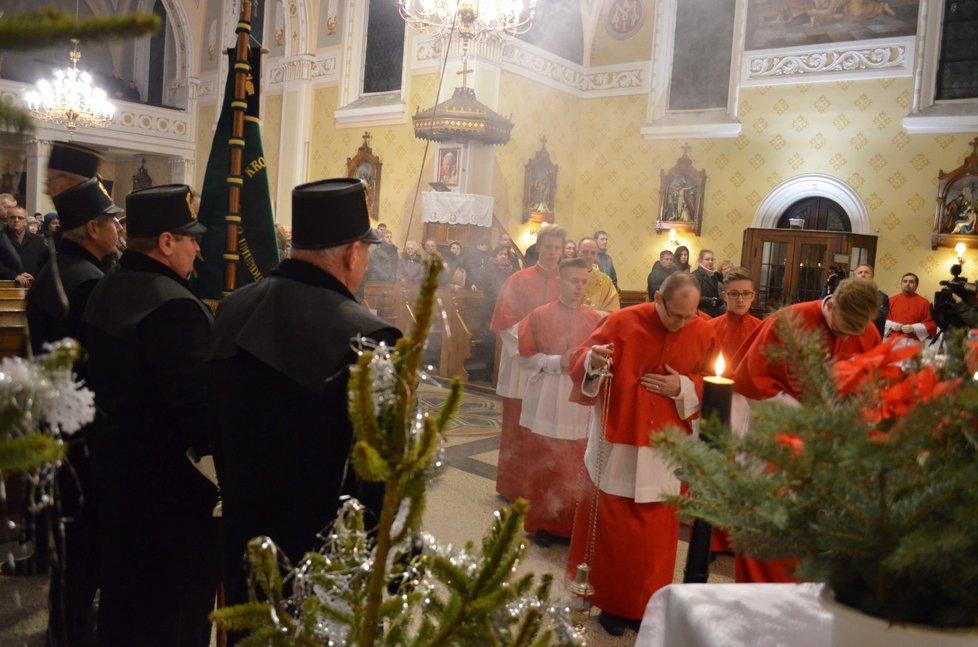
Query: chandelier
[(472, 19), (71, 98)]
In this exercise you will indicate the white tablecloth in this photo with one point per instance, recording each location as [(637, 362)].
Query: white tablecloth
[(734, 615), (456, 208)]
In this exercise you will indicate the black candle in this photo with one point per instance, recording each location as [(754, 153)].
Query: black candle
[(717, 393)]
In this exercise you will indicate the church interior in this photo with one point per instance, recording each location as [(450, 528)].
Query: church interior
[(807, 135)]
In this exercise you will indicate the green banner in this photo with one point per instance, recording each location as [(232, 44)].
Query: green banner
[(257, 251)]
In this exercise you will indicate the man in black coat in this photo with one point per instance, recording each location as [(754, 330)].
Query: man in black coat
[(146, 335), (662, 268), (280, 356), (31, 248), (53, 314)]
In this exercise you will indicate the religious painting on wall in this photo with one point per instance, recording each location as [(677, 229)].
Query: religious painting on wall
[(539, 186), (681, 191), (776, 24), (367, 167), (957, 204)]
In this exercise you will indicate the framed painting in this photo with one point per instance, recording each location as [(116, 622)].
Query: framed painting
[(367, 166), (681, 191), (957, 204), (449, 158), (539, 186)]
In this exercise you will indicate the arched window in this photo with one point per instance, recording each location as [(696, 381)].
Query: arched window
[(818, 213)]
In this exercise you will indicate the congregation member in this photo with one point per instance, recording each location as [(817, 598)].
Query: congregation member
[(411, 267), (553, 451), (909, 316), (31, 248), (477, 261), (384, 263), (657, 354), (523, 291), (865, 272), (600, 293), (733, 327), (431, 247), (725, 268), (570, 249), (843, 322), (280, 359), (682, 259), (711, 300), (89, 242), (662, 268), (530, 256), (146, 336), (506, 241), (11, 269), (605, 262)]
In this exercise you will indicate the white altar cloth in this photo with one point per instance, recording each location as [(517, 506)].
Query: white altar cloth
[(456, 208), (736, 615)]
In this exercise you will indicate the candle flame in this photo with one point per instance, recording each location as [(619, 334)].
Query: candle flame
[(720, 365)]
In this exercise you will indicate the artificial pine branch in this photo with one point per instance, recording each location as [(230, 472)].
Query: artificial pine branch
[(47, 27)]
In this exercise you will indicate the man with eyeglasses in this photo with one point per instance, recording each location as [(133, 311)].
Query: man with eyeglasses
[(658, 354), (843, 321), (146, 335), (736, 325)]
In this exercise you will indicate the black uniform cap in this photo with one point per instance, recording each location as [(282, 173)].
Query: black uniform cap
[(330, 213)]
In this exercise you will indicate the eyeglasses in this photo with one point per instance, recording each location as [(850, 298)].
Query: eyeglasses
[(676, 316), (746, 294)]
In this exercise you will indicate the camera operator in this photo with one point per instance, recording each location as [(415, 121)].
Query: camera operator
[(965, 304)]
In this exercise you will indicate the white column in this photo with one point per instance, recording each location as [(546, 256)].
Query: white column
[(182, 172), (38, 151), (293, 151)]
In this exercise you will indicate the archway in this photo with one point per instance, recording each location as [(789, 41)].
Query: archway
[(775, 203)]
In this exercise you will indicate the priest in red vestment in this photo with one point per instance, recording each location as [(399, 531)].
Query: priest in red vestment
[(909, 316), (658, 354), (844, 321), (553, 451), (521, 293)]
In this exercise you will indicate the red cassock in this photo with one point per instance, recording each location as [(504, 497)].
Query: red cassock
[(760, 378), (553, 451), (631, 542), (731, 331), (910, 310), (520, 294)]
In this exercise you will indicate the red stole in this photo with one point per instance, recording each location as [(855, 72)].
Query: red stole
[(643, 345)]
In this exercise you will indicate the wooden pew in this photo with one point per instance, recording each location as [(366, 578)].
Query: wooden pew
[(13, 320)]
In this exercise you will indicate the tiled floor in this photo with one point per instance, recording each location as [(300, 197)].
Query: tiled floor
[(460, 506)]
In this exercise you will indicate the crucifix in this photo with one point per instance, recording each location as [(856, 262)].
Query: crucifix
[(464, 72)]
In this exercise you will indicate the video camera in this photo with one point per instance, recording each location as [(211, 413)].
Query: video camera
[(944, 313), (837, 274)]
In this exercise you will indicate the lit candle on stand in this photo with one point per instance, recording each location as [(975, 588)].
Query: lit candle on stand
[(717, 394)]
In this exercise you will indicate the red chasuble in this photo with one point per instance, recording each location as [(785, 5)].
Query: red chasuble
[(907, 310), (522, 292), (731, 331), (553, 453), (644, 345), (759, 378)]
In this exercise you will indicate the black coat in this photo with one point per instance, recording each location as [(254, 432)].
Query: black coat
[(146, 336), (280, 356), (710, 292), (10, 265), (656, 277), (33, 251), (48, 317)]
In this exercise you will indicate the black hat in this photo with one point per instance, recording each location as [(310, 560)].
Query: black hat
[(83, 202), (72, 158), (152, 211), (329, 213)]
